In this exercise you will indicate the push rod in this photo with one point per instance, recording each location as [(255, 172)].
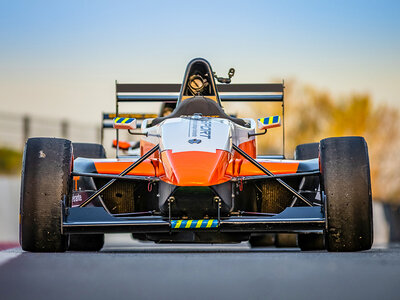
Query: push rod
[(269, 173)]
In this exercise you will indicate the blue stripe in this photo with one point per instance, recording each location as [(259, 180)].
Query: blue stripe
[(275, 119), (120, 120), (214, 223), (194, 223), (183, 224)]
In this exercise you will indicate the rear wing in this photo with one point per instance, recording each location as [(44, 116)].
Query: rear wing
[(169, 93), (128, 92)]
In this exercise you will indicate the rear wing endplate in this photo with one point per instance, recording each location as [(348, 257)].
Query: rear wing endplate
[(107, 120)]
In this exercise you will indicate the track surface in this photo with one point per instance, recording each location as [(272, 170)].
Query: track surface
[(148, 271)]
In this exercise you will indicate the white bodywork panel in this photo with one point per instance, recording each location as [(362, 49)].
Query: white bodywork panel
[(197, 133)]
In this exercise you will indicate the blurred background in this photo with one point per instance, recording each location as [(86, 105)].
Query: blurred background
[(340, 62)]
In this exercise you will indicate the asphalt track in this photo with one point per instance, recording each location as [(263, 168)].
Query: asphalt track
[(148, 271)]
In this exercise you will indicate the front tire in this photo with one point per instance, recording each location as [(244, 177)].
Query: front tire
[(45, 182), (347, 185)]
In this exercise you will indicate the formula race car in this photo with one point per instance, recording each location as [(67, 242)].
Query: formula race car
[(198, 178)]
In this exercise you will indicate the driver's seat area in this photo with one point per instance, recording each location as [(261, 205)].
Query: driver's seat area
[(203, 105)]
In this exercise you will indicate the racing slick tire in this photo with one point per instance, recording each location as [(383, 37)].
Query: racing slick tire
[(88, 150), (262, 240), (311, 241), (87, 242), (45, 182), (347, 185), (285, 240), (306, 151), (303, 152)]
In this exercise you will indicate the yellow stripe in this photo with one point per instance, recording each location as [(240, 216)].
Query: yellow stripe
[(178, 224), (270, 119), (262, 121), (209, 223), (198, 225), (188, 224), (124, 121), (116, 120)]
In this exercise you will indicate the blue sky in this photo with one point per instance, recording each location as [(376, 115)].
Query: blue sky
[(62, 57)]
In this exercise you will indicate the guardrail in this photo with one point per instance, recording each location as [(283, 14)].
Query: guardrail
[(16, 129)]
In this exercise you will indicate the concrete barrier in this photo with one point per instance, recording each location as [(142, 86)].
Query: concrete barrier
[(381, 225), (9, 211), (9, 208)]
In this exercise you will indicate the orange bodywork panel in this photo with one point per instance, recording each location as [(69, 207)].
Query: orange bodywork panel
[(146, 147), (275, 167), (249, 147), (195, 168), (146, 168)]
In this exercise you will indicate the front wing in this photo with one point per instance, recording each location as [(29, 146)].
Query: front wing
[(97, 220)]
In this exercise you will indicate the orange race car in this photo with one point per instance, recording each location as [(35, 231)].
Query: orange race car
[(197, 177)]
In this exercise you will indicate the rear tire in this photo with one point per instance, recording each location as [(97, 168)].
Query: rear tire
[(87, 242), (262, 240), (286, 240), (311, 241), (347, 185), (45, 182), (306, 151), (89, 150), (311, 183)]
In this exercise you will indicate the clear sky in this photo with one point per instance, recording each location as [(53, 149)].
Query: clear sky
[(61, 58)]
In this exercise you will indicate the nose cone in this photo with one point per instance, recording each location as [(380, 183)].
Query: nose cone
[(195, 168)]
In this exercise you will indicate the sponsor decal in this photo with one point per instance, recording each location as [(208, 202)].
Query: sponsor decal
[(76, 198), (194, 141), (205, 128), (194, 127)]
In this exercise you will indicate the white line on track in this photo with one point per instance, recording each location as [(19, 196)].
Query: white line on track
[(7, 255)]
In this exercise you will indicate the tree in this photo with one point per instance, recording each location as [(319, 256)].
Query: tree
[(312, 115)]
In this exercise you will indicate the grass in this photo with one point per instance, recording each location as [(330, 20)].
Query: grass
[(10, 161)]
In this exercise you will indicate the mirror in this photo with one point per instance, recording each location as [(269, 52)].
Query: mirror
[(124, 123), (269, 122)]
